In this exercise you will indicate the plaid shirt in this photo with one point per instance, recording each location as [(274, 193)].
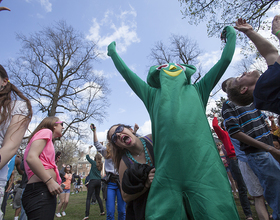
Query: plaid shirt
[(246, 119)]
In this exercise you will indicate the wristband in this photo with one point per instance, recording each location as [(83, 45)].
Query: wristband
[(277, 33), (48, 180)]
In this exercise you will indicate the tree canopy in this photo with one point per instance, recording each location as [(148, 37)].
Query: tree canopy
[(220, 13)]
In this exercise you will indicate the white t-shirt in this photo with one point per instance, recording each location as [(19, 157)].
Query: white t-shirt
[(18, 108)]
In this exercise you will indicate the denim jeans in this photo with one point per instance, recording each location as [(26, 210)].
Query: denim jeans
[(113, 191), (38, 202), (94, 186), (22, 211), (267, 169), (242, 189)]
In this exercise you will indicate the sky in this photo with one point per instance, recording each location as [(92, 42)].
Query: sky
[(135, 26)]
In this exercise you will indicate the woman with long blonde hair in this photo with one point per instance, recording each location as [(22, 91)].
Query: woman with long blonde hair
[(95, 182)]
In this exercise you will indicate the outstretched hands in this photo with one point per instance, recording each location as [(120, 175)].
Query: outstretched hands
[(242, 25)]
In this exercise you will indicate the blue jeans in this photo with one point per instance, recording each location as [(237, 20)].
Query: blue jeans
[(22, 212), (267, 169), (113, 191), (242, 189)]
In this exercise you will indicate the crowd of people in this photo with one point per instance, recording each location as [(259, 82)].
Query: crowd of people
[(139, 174)]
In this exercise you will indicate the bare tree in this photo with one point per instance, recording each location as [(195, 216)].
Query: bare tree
[(55, 71), (182, 50)]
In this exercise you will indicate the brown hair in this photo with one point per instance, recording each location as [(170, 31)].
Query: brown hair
[(48, 122), (65, 170), (98, 159), (108, 151), (117, 151), (9, 94), (234, 95)]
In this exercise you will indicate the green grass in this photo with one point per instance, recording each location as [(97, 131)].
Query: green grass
[(77, 206)]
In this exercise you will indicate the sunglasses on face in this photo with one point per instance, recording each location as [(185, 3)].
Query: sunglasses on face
[(114, 137), (59, 122)]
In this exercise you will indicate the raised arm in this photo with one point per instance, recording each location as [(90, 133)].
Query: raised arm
[(136, 83), (209, 81), (99, 147), (265, 48)]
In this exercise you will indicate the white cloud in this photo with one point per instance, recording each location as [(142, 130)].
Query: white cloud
[(121, 28), (209, 59), (121, 110), (46, 5), (146, 128)]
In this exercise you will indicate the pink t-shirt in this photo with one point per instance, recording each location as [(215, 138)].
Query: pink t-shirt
[(47, 156)]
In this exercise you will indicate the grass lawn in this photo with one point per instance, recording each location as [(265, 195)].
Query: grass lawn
[(77, 206)]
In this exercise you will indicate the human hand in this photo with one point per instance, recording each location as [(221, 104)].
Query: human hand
[(53, 187), (4, 8), (243, 26), (275, 153), (150, 178), (136, 127), (92, 127), (215, 115), (90, 146), (271, 118), (275, 24)]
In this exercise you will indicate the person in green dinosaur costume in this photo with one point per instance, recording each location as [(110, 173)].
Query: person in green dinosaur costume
[(190, 180)]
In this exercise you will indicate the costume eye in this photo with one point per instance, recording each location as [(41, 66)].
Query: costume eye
[(162, 66), (184, 68)]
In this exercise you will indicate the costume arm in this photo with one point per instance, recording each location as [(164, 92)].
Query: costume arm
[(136, 83), (209, 81)]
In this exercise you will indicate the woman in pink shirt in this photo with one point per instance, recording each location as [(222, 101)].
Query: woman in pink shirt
[(39, 197)]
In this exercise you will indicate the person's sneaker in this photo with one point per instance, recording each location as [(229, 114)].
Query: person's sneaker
[(58, 215), (63, 213)]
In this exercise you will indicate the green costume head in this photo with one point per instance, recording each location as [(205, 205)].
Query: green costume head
[(170, 69)]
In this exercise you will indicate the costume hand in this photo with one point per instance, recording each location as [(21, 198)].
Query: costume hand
[(111, 48), (4, 8), (53, 187), (150, 178), (275, 24), (242, 25)]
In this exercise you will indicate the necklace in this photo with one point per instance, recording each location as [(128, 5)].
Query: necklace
[(147, 157)]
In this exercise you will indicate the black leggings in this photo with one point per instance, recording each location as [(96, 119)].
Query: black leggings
[(94, 187), (38, 202)]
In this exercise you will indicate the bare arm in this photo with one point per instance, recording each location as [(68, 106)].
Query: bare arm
[(129, 197), (11, 180), (258, 144), (265, 48), (4, 8), (37, 167), (13, 138)]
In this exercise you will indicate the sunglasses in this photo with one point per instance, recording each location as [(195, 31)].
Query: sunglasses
[(114, 137), (59, 122)]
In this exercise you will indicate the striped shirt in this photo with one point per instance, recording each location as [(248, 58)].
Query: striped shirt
[(249, 120)]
